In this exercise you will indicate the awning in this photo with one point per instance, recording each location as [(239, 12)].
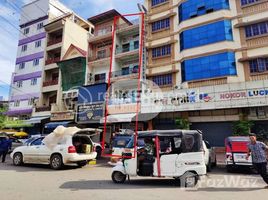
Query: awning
[(118, 118), (56, 124), (35, 120)]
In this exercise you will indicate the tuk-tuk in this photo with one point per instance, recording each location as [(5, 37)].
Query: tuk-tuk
[(166, 153)]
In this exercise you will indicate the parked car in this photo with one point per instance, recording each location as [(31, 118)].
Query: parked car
[(77, 148), (15, 143), (236, 152), (209, 155)]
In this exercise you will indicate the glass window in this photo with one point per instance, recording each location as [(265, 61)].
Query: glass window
[(211, 66), (22, 65), (162, 24), (37, 142), (258, 65), (35, 62), (19, 84), (38, 44), (245, 2), (40, 25), (206, 34), (17, 103), (161, 51), (26, 31), (194, 8), (256, 29), (34, 81), (156, 2), (24, 48), (162, 80)]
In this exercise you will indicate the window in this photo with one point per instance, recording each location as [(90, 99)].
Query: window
[(162, 24), (19, 84), (37, 142), (100, 77), (156, 2), (34, 81), (162, 80), (26, 31), (136, 44), (22, 65), (38, 43), (206, 34), (216, 65), (161, 51), (17, 103), (36, 62), (258, 65), (40, 25), (101, 54), (31, 101), (24, 48), (245, 2), (256, 29), (193, 8)]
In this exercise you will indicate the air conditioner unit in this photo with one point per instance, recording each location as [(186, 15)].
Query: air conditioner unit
[(177, 87)]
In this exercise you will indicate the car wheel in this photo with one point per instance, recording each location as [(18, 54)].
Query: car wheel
[(209, 166), (17, 159), (82, 163), (118, 177), (99, 151), (188, 180), (56, 162)]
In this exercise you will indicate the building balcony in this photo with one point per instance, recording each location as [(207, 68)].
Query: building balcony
[(121, 106), (54, 41), (92, 82), (124, 74), (52, 60), (99, 57), (126, 49), (50, 83)]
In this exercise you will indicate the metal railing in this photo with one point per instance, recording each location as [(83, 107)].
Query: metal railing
[(125, 72), (50, 83), (126, 49), (100, 56), (54, 41), (52, 60)]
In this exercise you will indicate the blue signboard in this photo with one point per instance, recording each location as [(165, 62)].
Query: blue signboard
[(90, 108)]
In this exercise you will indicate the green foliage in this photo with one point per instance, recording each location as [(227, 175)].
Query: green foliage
[(2, 117), (242, 127), (182, 123)]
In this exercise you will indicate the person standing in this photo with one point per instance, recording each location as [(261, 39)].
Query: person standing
[(257, 150), (5, 146)]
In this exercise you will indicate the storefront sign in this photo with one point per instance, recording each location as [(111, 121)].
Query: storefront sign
[(60, 116), (90, 113), (203, 98)]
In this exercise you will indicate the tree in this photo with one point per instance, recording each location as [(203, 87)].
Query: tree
[(2, 116), (242, 127), (182, 123)]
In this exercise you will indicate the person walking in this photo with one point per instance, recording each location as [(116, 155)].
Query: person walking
[(5, 146), (257, 150)]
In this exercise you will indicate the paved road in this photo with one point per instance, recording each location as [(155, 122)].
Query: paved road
[(34, 182)]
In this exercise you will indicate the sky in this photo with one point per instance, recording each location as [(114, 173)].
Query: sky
[(9, 27)]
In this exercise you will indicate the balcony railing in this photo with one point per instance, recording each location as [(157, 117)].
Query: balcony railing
[(126, 49), (50, 83), (43, 109), (92, 82), (119, 101), (54, 41), (99, 57), (52, 60), (125, 72)]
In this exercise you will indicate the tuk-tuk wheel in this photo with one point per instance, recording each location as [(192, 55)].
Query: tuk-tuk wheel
[(118, 177), (188, 180)]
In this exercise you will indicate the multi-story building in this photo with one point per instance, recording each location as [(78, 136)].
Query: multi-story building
[(210, 60), (65, 66), (114, 51), (27, 78)]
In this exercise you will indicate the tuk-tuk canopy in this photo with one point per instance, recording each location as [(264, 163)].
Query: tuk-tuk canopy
[(166, 133)]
